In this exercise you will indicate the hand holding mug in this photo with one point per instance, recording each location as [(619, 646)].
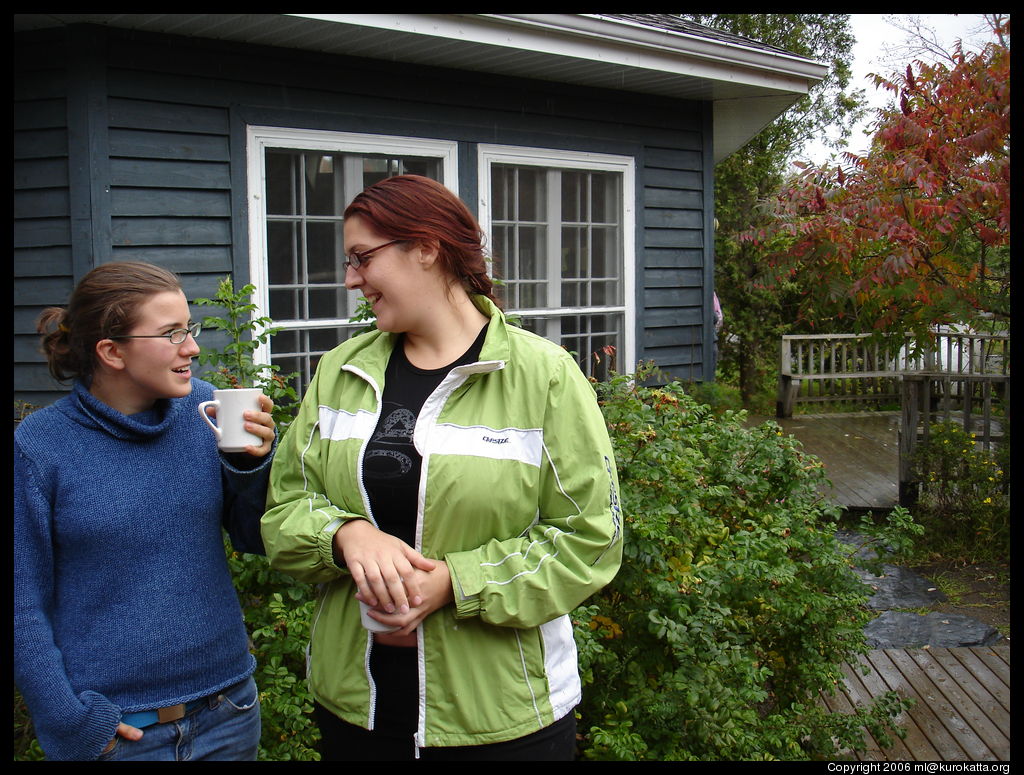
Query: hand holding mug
[(244, 420)]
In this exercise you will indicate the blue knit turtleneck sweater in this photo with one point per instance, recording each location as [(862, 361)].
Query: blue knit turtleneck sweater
[(122, 596)]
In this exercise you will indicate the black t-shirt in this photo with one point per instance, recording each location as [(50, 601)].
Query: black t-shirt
[(391, 464)]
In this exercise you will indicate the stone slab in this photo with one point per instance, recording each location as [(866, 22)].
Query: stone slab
[(904, 629), (900, 588)]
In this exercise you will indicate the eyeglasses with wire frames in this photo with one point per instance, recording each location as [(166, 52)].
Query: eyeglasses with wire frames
[(356, 259), (177, 336)]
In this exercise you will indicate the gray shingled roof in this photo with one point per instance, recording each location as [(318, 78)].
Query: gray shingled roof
[(676, 23)]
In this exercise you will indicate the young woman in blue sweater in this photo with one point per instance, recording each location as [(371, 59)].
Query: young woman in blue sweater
[(129, 642)]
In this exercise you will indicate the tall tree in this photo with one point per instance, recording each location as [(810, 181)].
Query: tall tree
[(916, 232), (755, 315)]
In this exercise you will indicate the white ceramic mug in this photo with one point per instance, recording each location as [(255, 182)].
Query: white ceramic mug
[(369, 622), (230, 428)]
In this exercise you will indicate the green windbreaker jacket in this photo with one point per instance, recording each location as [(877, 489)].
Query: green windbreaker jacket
[(518, 494)]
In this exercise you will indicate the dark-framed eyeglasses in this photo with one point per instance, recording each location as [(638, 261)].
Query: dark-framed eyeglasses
[(357, 259), (177, 336)]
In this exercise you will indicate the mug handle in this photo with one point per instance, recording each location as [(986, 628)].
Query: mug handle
[(206, 417)]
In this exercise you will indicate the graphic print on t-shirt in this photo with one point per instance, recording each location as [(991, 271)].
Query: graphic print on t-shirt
[(388, 455)]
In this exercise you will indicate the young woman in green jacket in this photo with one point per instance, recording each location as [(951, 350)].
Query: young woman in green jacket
[(453, 474)]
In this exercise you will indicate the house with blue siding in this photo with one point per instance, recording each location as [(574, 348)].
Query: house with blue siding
[(218, 144)]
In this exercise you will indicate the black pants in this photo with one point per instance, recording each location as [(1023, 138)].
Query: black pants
[(395, 674)]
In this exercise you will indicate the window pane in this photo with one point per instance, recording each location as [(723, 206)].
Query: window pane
[(322, 189), (586, 272), (530, 194), (282, 171), (377, 168), (532, 253), (286, 341), (573, 188), (604, 254), (326, 303), (574, 251), (322, 340), (284, 304), (323, 254), (531, 296), (501, 182), (574, 295), (428, 168), (290, 364), (282, 252), (604, 202)]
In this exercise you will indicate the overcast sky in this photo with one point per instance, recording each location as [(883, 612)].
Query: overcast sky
[(874, 33)]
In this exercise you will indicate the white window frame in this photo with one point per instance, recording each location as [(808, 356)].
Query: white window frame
[(488, 155), (259, 138)]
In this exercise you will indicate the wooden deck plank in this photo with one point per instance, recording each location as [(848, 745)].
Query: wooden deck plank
[(992, 660), (933, 728), (845, 701), (839, 702), (984, 728), (1003, 652), (977, 691), (949, 714), (868, 686), (979, 669), (958, 714)]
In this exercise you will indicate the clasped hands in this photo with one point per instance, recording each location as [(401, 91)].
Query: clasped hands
[(401, 586)]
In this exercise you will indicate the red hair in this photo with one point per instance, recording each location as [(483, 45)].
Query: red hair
[(421, 210)]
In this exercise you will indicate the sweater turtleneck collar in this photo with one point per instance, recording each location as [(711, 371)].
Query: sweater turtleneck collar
[(86, 409)]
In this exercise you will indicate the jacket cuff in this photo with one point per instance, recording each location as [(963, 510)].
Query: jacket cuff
[(467, 583), (325, 544)]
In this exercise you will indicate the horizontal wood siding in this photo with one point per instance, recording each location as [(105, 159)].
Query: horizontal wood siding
[(43, 268), (674, 257), (170, 184), (176, 111)]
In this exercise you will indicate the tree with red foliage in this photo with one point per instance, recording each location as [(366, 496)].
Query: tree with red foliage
[(916, 232)]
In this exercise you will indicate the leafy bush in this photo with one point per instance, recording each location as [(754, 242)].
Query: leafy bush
[(964, 500), (278, 613), (718, 396), (235, 366), (735, 605)]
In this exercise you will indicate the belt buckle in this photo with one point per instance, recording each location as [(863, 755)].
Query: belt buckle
[(173, 713)]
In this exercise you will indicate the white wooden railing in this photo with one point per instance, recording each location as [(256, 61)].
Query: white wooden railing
[(845, 368), (959, 377)]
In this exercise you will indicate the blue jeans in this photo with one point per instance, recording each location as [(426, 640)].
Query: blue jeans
[(225, 728)]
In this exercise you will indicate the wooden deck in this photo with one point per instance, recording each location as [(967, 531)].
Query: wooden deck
[(860, 452), (962, 709)]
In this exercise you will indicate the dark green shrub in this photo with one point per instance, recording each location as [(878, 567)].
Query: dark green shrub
[(278, 612), (735, 605), (719, 396), (964, 500)]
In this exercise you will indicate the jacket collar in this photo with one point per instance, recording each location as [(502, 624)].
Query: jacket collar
[(496, 346), (372, 359)]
